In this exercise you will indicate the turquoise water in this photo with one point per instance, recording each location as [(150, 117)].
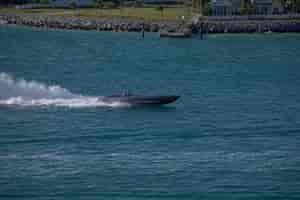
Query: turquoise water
[(233, 134)]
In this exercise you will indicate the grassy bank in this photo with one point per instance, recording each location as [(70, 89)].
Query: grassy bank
[(146, 13)]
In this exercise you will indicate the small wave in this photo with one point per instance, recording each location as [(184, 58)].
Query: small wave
[(32, 93)]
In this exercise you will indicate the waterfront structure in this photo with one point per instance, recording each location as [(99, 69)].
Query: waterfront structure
[(232, 7), (263, 7), (225, 7), (221, 7)]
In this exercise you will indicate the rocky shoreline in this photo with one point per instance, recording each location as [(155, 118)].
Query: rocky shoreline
[(86, 24), (204, 25)]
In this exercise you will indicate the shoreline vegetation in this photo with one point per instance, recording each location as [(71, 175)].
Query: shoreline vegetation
[(148, 20)]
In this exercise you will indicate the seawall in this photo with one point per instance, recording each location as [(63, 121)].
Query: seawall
[(239, 24), (86, 24)]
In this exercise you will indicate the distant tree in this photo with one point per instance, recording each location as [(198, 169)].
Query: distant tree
[(287, 5), (206, 9), (14, 2), (138, 3), (99, 4), (246, 7), (197, 6), (73, 4), (161, 9), (116, 3), (44, 1), (295, 6), (121, 6)]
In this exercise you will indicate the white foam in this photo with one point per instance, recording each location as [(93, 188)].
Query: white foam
[(32, 93)]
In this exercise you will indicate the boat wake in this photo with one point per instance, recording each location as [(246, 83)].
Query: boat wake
[(31, 93)]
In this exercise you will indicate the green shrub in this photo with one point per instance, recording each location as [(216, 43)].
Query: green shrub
[(44, 1), (207, 10), (73, 4)]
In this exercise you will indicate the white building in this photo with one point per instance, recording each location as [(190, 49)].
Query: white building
[(232, 7), (221, 7), (263, 7)]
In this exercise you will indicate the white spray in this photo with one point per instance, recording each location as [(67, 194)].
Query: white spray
[(31, 93)]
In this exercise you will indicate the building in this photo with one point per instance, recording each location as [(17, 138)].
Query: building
[(221, 7), (263, 7), (225, 7), (232, 7)]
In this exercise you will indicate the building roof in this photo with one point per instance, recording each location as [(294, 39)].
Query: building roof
[(262, 2)]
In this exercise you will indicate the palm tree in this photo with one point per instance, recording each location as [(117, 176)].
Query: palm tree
[(161, 9), (73, 4), (98, 4), (197, 6)]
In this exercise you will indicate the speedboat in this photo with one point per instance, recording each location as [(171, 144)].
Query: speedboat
[(140, 100)]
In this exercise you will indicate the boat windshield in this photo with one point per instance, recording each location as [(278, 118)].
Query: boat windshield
[(123, 94)]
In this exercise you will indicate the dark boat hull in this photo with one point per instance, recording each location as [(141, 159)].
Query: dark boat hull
[(141, 100), (174, 35)]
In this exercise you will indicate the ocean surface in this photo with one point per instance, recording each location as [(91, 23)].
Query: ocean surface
[(233, 134)]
